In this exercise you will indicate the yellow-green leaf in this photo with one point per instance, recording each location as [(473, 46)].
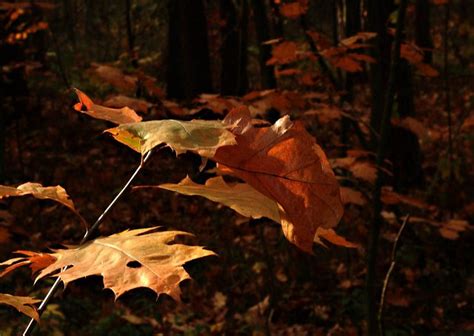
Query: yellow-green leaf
[(201, 136)]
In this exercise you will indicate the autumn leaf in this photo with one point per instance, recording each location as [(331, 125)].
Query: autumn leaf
[(201, 136), (284, 53), (390, 197), (284, 163), (452, 228), (294, 10), (119, 101), (352, 196), (35, 260), (24, 304), (115, 77), (361, 169), (57, 194), (331, 236), (128, 260), (247, 201), (357, 38), (123, 115), (240, 197), (426, 70)]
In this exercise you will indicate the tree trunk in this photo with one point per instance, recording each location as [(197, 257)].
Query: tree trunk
[(188, 72), (262, 31), (378, 12), (352, 26), (234, 80), (423, 29)]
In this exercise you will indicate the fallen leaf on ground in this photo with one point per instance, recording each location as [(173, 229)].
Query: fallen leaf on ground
[(120, 101), (352, 196)]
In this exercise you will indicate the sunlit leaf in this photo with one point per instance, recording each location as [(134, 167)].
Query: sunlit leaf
[(36, 190), (36, 261), (129, 260), (284, 163), (240, 197), (201, 136), (123, 115), (24, 304)]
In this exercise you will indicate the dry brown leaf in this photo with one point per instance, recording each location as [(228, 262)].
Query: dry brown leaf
[(284, 163), (128, 260), (331, 236), (352, 196), (391, 197), (325, 113), (24, 304), (123, 115), (359, 37), (294, 10), (120, 101), (426, 70), (240, 197), (115, 77), (451, 229), (36, 262), (284, 53), (36, 190), (215, 103), (248, 202)]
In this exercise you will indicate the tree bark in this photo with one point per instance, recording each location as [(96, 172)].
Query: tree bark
[(378, 12), (423, 29), (267, 74), (188, 72), (374, 230), (234, 80)]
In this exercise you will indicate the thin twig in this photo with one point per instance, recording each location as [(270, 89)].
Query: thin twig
[(388, 275), (374, 231), (86, 237)]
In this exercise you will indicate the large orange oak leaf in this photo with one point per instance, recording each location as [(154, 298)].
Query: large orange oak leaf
[(248, 202), (119, 116), (284, 163), (24, 304), (56, 193), (128, 260), (200, 136)]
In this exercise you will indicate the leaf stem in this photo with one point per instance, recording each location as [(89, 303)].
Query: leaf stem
[(29, 328)]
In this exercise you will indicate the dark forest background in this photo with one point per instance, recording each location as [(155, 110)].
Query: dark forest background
[(379, 83)]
